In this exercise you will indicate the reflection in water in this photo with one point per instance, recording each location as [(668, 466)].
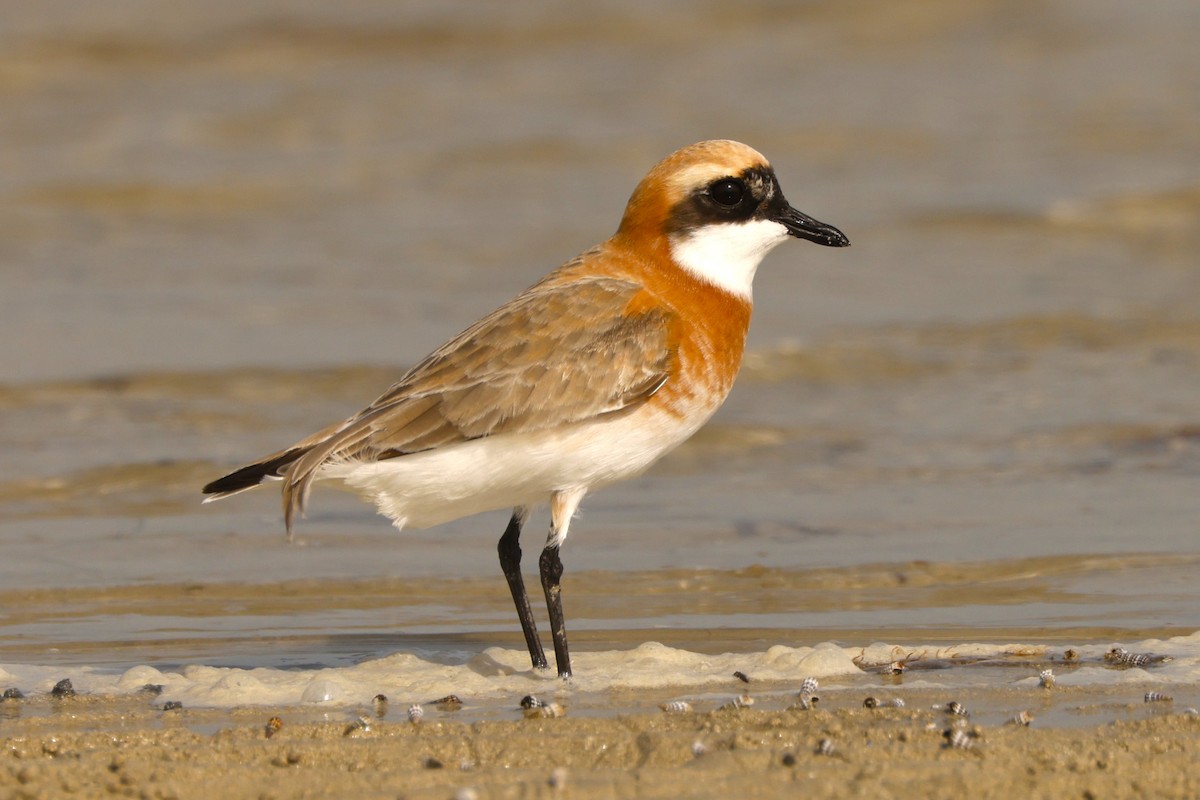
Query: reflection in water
[(333, 622)]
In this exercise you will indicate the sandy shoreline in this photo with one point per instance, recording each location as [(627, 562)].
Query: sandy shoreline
[(92, 746)]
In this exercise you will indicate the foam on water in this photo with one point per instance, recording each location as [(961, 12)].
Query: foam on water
[(497, 673)]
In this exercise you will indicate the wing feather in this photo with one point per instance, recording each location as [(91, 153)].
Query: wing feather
[(562, 352)]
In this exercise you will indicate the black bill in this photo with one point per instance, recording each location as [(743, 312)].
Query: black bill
[(803, 226)]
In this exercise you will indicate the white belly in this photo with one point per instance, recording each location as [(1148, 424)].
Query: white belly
[(513, 469)]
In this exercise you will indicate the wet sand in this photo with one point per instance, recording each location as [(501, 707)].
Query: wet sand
[(1046, 602), (91, 747)]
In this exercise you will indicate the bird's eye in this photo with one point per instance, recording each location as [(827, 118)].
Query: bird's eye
[(727, 192)]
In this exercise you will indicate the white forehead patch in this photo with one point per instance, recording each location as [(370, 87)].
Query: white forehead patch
[(728, 254)]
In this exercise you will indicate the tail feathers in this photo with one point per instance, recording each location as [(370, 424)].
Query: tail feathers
[(248, 477)]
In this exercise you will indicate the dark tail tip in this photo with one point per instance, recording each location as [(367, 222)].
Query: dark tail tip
[(250, 476)]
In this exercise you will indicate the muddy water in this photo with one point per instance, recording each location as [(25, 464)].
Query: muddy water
[(224, 227)]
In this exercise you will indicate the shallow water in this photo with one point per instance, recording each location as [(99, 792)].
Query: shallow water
[(224, 227)]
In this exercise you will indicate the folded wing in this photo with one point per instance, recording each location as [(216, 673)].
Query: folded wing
[(558, 354)]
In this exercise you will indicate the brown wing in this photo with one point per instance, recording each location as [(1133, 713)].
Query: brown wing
[(557, 354)]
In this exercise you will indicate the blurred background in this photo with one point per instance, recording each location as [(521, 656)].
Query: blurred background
[(226, 224)]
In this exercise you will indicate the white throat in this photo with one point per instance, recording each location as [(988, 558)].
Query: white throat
[(728, 254)]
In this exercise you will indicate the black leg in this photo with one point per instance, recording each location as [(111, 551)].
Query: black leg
[(552, 569), (510, 561)]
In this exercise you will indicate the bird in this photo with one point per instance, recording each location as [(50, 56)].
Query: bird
[(586, 378)]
